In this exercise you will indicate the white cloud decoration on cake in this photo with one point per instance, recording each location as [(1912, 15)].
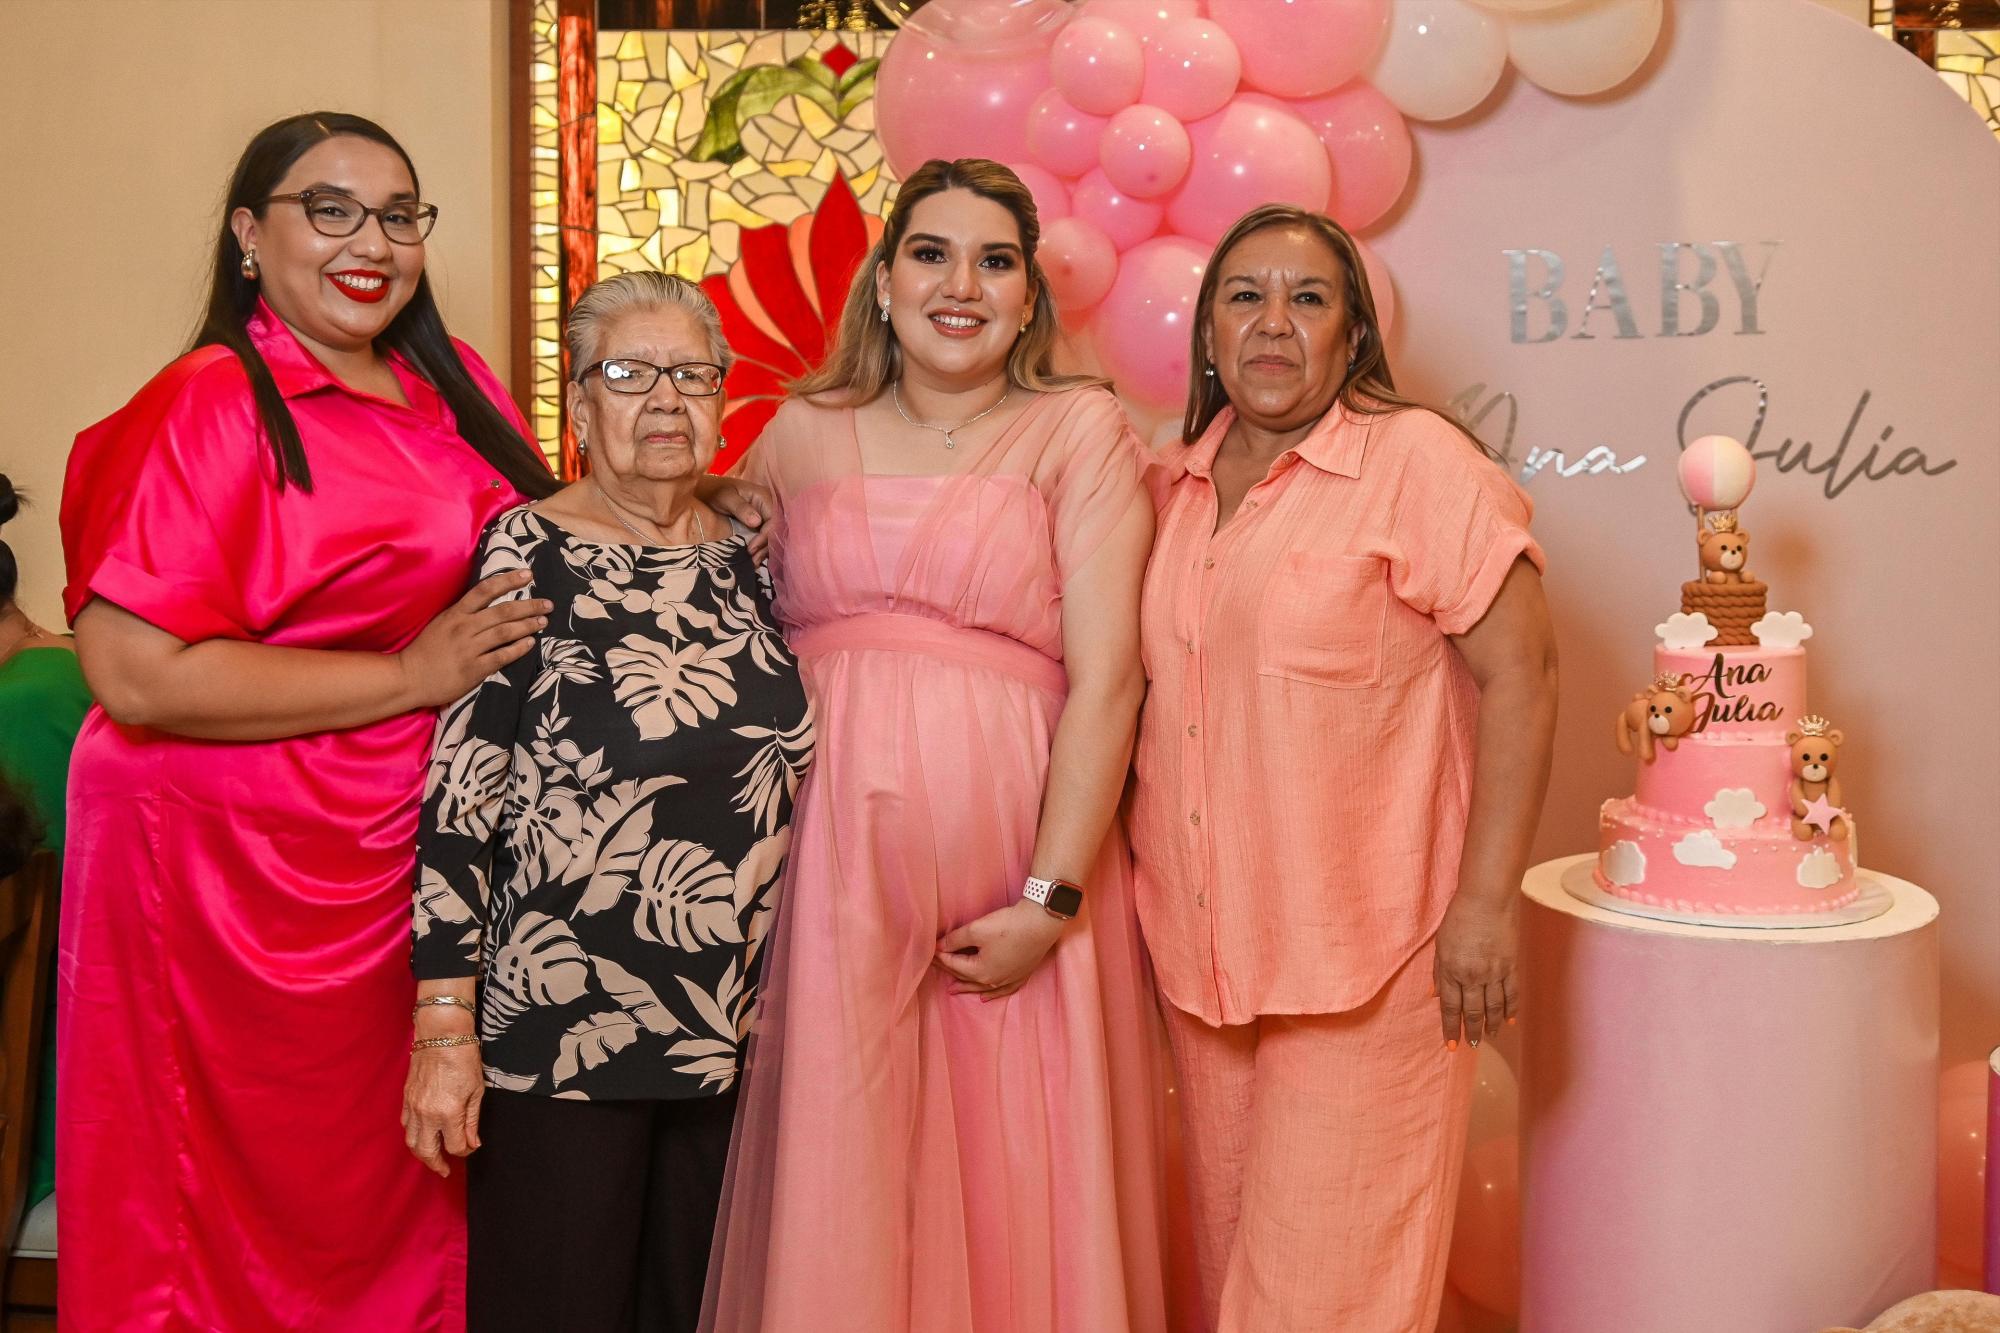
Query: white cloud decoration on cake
[(1734, 807), (1819, 869), (1683, 633), (1703, 848), (1782, 629), (1624, 864)]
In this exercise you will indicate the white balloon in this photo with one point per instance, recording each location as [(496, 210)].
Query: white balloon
[(1442, 58), (1586, 47)]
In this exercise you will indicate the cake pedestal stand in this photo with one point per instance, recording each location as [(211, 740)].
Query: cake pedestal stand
[(1724, 1129)]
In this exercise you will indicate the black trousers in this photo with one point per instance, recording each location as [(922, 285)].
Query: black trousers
[(592, 1217)]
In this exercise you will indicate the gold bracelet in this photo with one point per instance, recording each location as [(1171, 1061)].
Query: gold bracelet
[(434, 1043), (438, 1001)]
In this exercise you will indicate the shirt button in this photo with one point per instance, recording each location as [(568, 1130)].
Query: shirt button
[(1190, 647), (1208, 563), (1201, 900), (493, 485), (1195, 819), (1191, 729), (1249, 504)]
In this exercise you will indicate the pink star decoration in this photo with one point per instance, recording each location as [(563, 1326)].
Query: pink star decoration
[(1821, 813)]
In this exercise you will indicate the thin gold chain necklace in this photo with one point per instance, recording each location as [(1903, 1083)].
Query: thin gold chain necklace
[(896, 396)]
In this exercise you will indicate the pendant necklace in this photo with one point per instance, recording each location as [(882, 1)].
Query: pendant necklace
[(947, 431), (700, 528)]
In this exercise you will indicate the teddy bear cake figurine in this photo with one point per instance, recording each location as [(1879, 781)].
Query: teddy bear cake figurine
[(1816, 808), (1663, 713), (1725, 551)]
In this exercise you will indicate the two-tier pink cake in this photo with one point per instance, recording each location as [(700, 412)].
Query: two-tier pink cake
[(1736, 809)]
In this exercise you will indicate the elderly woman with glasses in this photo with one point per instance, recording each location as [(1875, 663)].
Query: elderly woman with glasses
[(599, 849)]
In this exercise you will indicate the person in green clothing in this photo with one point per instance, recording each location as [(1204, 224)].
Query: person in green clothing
[(42, 703)]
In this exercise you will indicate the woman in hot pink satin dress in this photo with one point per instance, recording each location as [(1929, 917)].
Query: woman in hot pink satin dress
[(953, 1106), (234, 966)]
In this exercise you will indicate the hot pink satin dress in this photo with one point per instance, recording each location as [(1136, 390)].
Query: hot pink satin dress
[(908, 1160), (235, 986)]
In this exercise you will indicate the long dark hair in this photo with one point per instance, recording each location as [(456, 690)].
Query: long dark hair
[(1369, 388), (10, 572), (418, 333)]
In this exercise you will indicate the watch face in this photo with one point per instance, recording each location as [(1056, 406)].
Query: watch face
[(1065, 900)]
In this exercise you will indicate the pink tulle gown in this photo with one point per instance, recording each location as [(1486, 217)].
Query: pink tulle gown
[(905, 1158)]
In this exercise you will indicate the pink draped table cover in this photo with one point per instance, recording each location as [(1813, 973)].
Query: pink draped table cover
[(1725, 1129)]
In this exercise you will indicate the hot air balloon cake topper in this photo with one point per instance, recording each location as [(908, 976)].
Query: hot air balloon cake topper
[(1717, 474)]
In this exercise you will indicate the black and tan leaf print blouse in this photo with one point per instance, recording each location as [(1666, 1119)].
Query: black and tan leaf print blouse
[(605, 819)]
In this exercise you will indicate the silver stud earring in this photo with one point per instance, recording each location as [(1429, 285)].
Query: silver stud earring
[(582, 446), (1208, 371)]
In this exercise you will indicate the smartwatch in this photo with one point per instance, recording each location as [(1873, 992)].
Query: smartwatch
[(1057, 897)]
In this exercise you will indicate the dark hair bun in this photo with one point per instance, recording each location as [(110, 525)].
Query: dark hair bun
[(10, 501)]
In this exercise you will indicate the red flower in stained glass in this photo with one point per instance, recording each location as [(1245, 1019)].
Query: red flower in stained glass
[(780, 303)]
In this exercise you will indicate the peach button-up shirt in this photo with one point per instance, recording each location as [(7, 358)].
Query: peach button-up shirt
[(1306, 749)]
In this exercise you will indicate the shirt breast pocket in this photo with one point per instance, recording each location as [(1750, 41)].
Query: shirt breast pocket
[(1322, 620)]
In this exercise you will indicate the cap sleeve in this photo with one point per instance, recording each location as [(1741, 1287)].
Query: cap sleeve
[(1098, 478), (1458, 523), (157, 498)]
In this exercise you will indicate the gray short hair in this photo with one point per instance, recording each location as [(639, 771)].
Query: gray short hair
[(645, 289)]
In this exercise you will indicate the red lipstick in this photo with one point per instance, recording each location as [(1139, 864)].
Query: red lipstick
[(365, 285)]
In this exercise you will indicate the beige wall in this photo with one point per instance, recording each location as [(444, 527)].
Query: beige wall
[(123, 120)]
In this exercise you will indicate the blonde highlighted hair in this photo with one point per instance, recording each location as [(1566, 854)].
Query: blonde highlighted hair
[(1368, 389), (866, 357)]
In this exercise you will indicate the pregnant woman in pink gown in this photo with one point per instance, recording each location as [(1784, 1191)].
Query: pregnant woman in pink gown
[(953, 1113), (267, 555)]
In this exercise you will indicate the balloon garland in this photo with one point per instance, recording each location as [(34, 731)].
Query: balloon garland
[(1145, 127)]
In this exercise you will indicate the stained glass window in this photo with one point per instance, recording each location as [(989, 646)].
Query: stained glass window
[(700, 136), (1970, 63), (545, 303)]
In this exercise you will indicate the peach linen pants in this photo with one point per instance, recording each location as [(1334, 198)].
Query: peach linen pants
[(1323, 1157)]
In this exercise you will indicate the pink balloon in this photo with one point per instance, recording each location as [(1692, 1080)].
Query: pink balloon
[(1145, 19), (1962, 1165), (1191, 69), (1098, 65), (1369, 142), (1967, 1079), (1080, 262), (1496, 1099), (1144, 151), (1062, 138), (1381, 288), (1717, 472), (1127, 221), (938, 100), (989, 25), (1144, 324), (1485, 1261), (1245, 155), (1051, 198), (1296, 48)]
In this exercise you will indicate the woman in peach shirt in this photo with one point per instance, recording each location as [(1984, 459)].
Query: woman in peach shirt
[(1340, 766)]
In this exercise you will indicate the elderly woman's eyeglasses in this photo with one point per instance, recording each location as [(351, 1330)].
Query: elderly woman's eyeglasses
[(624, 374), (332, 213)]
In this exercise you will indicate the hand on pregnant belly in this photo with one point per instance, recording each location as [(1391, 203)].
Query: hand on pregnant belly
[(995, 955)]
